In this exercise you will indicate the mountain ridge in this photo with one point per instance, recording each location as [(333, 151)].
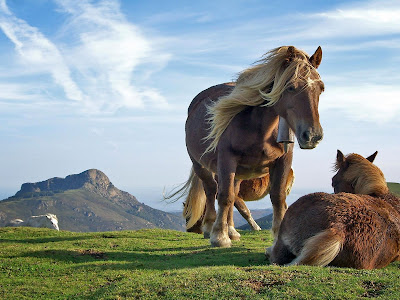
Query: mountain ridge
[(87, 201)]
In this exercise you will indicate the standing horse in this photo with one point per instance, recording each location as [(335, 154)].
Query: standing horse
[(359, 227), (232, 129)]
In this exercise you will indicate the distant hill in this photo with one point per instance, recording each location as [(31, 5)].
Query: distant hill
[(394, 188), (85, 202), (266, 222), (255, 213)]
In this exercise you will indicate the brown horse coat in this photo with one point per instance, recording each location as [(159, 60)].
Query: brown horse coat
[(359, 228), (366, 228), (231, 133)]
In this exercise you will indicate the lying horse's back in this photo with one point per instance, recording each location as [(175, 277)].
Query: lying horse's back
[(365, 230)]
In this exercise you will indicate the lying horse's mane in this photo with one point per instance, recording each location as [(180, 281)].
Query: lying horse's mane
[(261, 84), (366, 177)]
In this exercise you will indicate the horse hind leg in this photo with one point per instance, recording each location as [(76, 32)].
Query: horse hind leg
[(320, 249), (279, 253), (210, 190), (245, 212), (233, 234)]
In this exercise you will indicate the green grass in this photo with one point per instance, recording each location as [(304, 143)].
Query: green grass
[(165, 264), (394, 188)]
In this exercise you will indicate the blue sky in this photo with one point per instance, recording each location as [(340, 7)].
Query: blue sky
[(106, 84)]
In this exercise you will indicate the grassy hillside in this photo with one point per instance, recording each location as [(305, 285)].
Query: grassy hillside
[(165, 264), (394, 188)]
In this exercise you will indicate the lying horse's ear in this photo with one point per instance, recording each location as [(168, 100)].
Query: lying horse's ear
[(316, 58), (340, 160), (371, 158)]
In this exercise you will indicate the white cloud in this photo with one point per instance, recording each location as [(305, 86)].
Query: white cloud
[(36, 51), (105, 67), (13, 91), (360, 19), (110, 56), (367, 102)]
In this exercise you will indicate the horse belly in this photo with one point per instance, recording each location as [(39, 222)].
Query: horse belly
[(254, 189), (247, 172)]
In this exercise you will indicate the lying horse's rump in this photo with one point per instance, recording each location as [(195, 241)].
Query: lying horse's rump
[(343, 229)]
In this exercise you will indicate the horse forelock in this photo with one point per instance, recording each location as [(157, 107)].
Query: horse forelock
[(366, 177), (261, 84)]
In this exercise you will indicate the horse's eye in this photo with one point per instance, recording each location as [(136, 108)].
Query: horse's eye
[(291, 89)]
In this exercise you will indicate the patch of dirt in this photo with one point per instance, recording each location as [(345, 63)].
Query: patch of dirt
[(258, 285), (373, 289), (93, 253)]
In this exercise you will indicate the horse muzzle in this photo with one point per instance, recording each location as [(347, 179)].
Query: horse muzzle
[(309, 139)]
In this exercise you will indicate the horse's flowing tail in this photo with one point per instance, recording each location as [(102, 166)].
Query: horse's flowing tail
[(195, 203), (320, 249)]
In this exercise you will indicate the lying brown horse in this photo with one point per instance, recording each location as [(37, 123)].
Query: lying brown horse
[(232, 129), (250, 190), (359, 227)]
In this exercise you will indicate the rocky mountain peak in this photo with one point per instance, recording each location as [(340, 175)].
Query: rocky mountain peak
[(91, 179)]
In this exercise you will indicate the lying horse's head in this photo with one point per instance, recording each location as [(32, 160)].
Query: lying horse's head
[(358, 175), (301, 87)]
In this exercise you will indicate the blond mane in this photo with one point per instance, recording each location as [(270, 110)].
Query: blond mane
[(366, 178), (261, 84)]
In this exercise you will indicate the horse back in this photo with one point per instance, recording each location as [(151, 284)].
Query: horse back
[(212, 93), (197, 126)]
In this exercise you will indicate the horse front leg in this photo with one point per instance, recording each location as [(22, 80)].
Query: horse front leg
[(279, 178), (226, 197), (233, 234)]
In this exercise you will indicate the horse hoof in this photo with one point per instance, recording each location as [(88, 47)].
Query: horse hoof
[(233, 234), (206, 235), (256, 228), (235, 237), (221, 242)]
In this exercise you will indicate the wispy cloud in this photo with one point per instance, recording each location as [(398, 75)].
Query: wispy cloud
[(36, 51), (14, 91), (366, 102), (106, 65), (110, 53), (363, 19)]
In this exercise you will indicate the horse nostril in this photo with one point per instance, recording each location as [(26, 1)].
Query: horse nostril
[(306, 136)]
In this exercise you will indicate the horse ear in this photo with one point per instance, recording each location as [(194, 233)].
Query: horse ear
[(316, 58), (371, 158), (290, 55), (340, 159), (290, 52)]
